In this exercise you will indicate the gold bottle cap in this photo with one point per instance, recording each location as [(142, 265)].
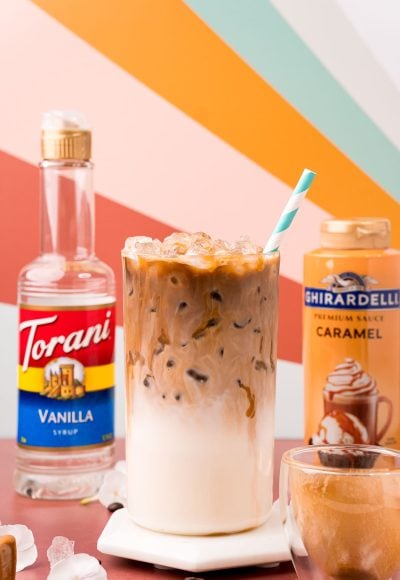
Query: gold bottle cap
[(355, 233), (65, 135)]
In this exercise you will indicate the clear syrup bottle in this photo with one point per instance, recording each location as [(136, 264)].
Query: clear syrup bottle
[(66, 299)]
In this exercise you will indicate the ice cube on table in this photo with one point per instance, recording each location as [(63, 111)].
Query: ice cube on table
[(60, 549), (78, 567)]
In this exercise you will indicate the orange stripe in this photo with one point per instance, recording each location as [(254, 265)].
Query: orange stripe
[(19, 194), (165, 45)]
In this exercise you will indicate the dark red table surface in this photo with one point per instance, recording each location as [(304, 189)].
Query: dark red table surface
[(83, 524)]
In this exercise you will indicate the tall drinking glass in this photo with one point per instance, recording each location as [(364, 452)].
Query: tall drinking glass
[(201, 343), (340, 507)]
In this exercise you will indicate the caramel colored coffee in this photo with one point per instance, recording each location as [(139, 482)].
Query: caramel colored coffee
[(350, 525), (200, 335)]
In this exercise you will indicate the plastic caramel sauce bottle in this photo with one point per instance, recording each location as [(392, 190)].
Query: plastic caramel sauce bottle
[(352, 335), (66, 302)]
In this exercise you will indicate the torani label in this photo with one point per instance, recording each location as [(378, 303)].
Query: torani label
[(66, 376)]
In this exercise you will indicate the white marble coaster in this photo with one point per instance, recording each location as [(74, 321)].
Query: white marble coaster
[(264, 545)]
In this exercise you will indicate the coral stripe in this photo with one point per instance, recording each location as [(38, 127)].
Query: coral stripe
[(165, 45), (19, 194)]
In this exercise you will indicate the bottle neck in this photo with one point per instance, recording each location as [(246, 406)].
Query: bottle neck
[(67, 209)]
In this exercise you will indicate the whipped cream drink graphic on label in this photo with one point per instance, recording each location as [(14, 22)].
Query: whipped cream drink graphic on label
[(351, 400), (352, 335), (200, 320)]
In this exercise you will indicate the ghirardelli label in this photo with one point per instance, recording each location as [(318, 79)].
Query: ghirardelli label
[(351, 347), (351, 291), (66, 376)]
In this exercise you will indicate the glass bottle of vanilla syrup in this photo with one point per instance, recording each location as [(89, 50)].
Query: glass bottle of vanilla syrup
[(66, 302)]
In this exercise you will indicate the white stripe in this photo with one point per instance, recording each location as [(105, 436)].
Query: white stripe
[(273, 243), (326, 30), (293, 204), (289, 409), (378, 25), (295, 201)]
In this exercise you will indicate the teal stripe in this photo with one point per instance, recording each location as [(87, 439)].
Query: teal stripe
[(285, 221), (259, 34), (305, 182)]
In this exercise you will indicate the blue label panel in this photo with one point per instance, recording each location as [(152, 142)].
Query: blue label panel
[(356, 300), (45, 422)]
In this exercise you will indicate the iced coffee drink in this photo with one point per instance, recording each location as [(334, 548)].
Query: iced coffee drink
[(200, 320)]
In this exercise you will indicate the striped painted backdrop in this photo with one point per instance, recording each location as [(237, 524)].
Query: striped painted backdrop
[(204, 114)]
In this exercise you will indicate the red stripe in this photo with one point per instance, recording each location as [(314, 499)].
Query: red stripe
[(290, 320), (19, 238)]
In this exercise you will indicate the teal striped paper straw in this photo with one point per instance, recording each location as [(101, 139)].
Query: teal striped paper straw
[(291, 208)]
